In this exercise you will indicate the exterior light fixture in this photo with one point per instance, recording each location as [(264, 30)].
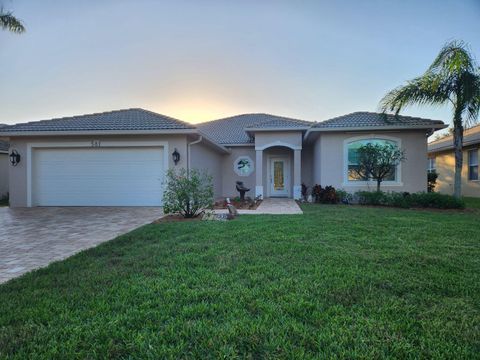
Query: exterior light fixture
[(14, 157), (176, 156)]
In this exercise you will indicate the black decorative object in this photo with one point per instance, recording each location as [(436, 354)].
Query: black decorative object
[(176, 156), (242, 190), (14, 158)]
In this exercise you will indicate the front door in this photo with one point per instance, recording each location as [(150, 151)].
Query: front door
[(279, 177)]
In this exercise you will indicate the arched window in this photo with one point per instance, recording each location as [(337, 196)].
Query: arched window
[(352, 159)]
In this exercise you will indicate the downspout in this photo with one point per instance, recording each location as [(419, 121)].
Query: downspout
[(200, 138)]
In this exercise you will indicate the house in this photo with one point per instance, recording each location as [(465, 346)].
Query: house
[(119, 158), (441, 157)]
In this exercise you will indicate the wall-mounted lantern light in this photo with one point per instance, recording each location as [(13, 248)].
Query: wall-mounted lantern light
[(176, 156), (14, 157)]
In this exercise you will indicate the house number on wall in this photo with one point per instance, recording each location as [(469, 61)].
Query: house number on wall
[(96, 143)]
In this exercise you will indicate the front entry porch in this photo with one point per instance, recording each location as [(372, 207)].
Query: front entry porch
[(278, 172)]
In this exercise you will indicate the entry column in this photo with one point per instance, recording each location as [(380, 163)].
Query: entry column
[(259, 174), (297, 174)]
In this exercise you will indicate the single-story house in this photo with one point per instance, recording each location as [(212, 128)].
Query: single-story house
[(441, 158), (3, 168), (119, 158)]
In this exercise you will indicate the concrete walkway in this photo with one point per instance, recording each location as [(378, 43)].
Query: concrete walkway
[(34, 237), (274, 206)]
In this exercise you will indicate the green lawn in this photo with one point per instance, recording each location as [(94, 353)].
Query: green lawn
[(339, 281)]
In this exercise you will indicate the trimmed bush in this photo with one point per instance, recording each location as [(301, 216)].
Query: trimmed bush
[(187, 193), (407, 200)]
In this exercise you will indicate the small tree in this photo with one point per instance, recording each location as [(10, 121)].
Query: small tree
[(377, 161), (187, 193), (432, 177)]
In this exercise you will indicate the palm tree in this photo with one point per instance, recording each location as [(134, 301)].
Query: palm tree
[(453, 78), (10, 22)]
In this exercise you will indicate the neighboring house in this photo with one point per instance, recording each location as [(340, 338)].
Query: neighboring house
[(3, 168), (441, 158), (119, 158)]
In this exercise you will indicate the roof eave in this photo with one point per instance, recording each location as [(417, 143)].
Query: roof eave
[(375, 128), (297, 128)]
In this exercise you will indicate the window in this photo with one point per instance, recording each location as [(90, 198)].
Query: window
[(352, 148), (473, 164), (432, 164), (243, 166)]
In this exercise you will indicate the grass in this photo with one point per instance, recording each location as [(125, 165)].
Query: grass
[(472, 202), (339, 281)]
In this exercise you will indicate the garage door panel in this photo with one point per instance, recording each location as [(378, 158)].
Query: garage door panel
[(98, 177)]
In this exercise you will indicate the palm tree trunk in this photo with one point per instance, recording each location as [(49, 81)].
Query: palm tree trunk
[(458, 145)]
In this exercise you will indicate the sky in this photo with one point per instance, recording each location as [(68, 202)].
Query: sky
[(203, 60)]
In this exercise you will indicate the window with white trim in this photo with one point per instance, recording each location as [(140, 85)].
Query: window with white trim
[(352, 148), (432, 164), (473, 164)]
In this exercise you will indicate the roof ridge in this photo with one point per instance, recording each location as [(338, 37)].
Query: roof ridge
[(380, 113), (168, 117)]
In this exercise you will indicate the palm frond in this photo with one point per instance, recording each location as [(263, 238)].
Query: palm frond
[(472, 90), (454, 57), (429, 89), (11, 23)]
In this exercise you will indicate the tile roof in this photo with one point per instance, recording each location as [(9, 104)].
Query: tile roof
[(231, 130), (471, 136), (281, 123), (371, 119), (127, 119)]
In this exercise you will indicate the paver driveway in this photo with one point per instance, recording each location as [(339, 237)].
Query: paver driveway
[(34, 237)]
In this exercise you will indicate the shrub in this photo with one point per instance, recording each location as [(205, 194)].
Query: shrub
[(432, 180), (436, 200), (343, 196), (370, 197), (407, 200), (187, 193), (326, 195), (304, 192)]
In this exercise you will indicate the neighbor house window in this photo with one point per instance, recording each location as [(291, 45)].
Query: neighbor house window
[(432, 164), (473, 164), (352, 148), (243, 166)]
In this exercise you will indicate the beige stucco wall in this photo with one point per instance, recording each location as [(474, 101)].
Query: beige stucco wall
[(445, 164), (329, 159), (293, 138), (18, 174), (229, 176), (4, 165), (203, 157)]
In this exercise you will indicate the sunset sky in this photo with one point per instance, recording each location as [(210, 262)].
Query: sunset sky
[(202, 60)]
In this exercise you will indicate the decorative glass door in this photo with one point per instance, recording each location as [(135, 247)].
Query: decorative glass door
[(278, 177)]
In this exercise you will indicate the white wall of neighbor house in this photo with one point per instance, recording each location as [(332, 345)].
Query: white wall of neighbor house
[(204, 157), (4, 165), (229, 176), (329, 160), (18, 174)]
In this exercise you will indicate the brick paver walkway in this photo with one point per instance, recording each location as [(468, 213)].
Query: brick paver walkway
[(34, 237)]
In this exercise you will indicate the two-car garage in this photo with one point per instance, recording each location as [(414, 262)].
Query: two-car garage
[(97, 176)]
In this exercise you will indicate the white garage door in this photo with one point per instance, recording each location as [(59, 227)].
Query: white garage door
[(131, 176)]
